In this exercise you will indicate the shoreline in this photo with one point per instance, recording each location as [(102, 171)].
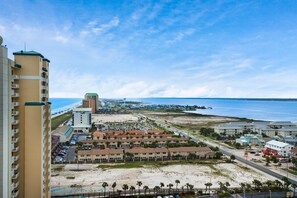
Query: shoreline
[(65, 111)]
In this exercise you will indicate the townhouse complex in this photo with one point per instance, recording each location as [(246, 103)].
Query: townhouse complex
[(25, 115), (140, 145)]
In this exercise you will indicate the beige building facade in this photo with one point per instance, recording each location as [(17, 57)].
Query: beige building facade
[(25, 130)]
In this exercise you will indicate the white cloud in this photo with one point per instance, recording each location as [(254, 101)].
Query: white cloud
[(61, 39), (107, 26)]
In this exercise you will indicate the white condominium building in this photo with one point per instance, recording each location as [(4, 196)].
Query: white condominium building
[(82, 119)]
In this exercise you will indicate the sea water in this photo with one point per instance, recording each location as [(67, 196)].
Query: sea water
[(258, 109), (62, 104)]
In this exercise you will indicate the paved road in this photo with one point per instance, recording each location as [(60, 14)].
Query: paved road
[(70, 156), (292, 178)]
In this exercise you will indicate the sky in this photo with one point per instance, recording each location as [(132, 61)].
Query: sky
[(145, 48)]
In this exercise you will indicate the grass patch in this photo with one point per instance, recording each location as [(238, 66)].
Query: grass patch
[(58, 168), (218, 172), (294, 172), (56, 121), (156, 164)]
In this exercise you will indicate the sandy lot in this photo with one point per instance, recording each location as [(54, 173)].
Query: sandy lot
[(189, 120), (197, 175), (104, 118)]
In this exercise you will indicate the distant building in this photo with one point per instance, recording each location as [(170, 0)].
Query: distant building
[(91, 100), (270, 129), (64, 133), (277, 148), (82, 119)]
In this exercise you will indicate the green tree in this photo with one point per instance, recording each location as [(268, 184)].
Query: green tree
[(286, 182), (162, 185), (218, 155), (232, 157), (267, 160), (257, 184), (294, 186)]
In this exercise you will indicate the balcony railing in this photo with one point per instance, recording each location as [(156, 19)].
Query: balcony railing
[(14, 159)]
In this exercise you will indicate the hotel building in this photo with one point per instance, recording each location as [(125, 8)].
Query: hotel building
[(91, 100), (82, 119), (25, 115)]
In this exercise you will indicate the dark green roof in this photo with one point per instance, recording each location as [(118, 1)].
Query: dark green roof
[(49, 103), (91, 94), (17, 65), (45, 59), (28, 53), (34, 103), (44, 69)]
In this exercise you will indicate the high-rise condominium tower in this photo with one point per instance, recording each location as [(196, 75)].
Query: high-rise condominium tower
[(25, 126)]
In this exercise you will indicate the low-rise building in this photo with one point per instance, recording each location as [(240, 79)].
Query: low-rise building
[(97, 135), (250, 139), (143, 154), (277, 148), (64, 132), (82, 119), (193, 152)]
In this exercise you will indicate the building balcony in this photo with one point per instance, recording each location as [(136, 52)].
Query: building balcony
[(16, 77), (15, 140), (15, 104), (16, 167), (15, 149), (15, 86), (15, 122), (14, 185), (14, 159), (15, 131), (15, 113), (15, 95), (15, 176), (15, 193)]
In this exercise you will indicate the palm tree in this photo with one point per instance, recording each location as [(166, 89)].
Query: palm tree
[(104, 185), (125, 188), (157, 188), (294, 186), (222, 185), (170, 186), (139, 183), (208, 184), (132, 189), (187, 185), (113, 187), (145, 189), (242, 185), (177, 182), (162, 185), (278, 184)]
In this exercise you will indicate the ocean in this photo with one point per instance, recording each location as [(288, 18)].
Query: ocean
[(62, 104), (258, 109)]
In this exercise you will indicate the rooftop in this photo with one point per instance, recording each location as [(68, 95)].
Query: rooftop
[(91, 94), (82, 109), (190, 149), (277, 143), (28, 53)]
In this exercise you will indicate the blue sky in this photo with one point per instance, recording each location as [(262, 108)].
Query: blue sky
[(160, 48)]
